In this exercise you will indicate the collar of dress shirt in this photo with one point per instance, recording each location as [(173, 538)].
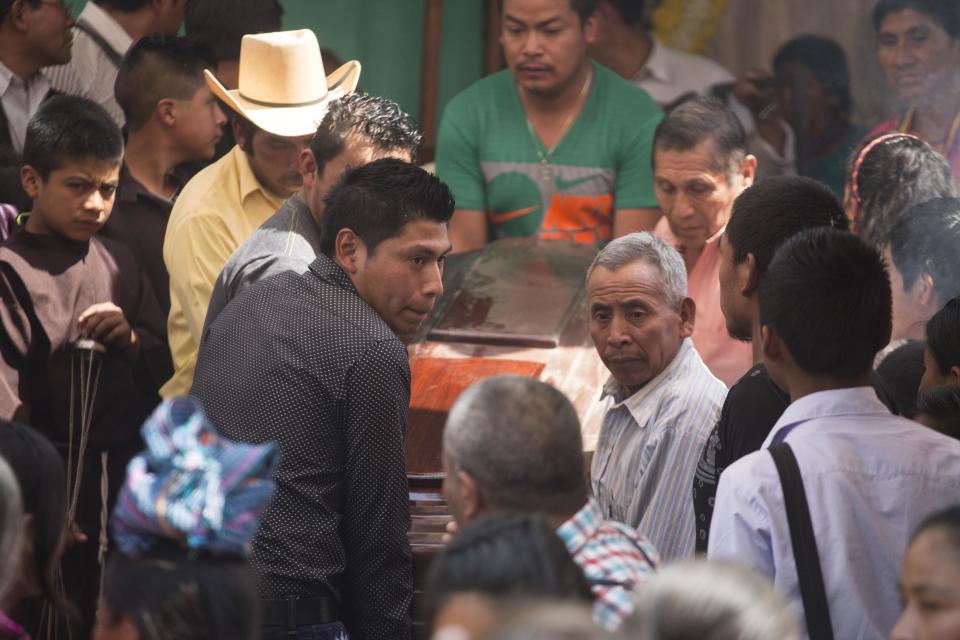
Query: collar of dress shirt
[(106, 26), (329, 271), (248, 181), (7, 76), (637, 404), (859, 401), (578, 530), (658, 64)]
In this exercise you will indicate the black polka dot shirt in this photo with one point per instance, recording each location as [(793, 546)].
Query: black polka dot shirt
[(302, 360)]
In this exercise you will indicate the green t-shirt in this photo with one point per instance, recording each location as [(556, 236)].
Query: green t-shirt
[(487, 154)]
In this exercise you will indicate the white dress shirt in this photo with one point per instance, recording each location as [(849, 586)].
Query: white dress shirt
[(669, 74), (870, 479), (20, 100), (649, 447), (91, 73)]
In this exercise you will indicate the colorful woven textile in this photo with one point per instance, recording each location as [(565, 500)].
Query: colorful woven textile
[(192, 485)]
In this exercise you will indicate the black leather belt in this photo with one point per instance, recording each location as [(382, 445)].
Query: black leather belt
[(299, 612)]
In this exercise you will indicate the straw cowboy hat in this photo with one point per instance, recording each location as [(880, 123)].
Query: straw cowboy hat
[(282, 87)]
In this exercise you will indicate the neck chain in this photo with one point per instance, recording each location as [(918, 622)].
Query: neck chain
[(546, 155), (944, 146)]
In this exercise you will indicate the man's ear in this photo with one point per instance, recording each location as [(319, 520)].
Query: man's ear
[(309, 170), (751, 280), (237, 127), (771, 346), (471, 501), (955, 375), (688, 316), (748, 170), (590, 27), (926, 294), (349, 251), (166, 110), (31, 181)]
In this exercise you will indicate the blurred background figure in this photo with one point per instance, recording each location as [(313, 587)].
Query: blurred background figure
[(930, 581), (181, 532), (939, 409), (887, 174), (802, 112), (918, 47), (625, 44), (507, 556), (39, 471), (11, 529), (941, 358), (711, 600)]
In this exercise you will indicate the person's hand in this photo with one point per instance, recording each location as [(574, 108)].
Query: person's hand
[(74, 535), (105, 322), (756, 91), (452, 530)]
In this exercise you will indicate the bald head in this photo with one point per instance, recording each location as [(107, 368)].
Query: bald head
[(519, 439)]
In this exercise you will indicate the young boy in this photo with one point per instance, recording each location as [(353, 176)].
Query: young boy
[(60, 284), (172, 118)]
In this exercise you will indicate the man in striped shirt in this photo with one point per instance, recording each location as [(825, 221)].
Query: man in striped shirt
[(661, 400), (514, 444)]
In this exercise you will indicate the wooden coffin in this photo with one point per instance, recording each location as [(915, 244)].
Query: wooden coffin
[(517, 307)]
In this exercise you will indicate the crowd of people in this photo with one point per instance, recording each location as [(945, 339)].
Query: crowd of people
[(216, 252)]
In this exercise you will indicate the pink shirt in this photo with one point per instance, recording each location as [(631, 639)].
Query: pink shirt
[(727, 358)]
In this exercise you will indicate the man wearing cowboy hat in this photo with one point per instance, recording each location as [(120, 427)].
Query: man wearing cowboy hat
[(280, 105)]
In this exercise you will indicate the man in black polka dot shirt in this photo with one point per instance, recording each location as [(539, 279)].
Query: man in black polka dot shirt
[(313, 361)]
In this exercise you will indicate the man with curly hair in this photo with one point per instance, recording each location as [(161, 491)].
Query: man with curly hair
[(357, 129)]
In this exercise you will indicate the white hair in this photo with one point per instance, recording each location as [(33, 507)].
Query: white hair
[(11, 525), (652, 250), (710, 600)]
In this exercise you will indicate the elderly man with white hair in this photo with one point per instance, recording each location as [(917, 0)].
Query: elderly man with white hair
[(661, 399)]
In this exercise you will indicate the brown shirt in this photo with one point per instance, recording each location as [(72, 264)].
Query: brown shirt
[(139, 220), (46, 282)]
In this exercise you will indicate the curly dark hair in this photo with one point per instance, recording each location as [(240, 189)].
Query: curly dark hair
[(378, 120)]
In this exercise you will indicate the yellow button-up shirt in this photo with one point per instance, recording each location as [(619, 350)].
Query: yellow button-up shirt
[(217, 210)]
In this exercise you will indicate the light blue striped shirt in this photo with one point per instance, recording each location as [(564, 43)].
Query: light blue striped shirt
[(648, 450)]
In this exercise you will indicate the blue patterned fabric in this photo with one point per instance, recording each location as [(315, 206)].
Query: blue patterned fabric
[(192, 485)]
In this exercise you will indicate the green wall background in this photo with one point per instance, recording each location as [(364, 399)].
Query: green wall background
[(386, 36)]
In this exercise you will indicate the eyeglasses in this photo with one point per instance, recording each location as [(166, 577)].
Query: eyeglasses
[(59, 4)]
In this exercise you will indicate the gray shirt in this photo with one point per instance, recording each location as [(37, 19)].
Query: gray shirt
[(288, 241)]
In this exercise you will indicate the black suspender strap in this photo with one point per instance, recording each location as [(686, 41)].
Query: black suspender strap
[(816, 609), (115, 57)]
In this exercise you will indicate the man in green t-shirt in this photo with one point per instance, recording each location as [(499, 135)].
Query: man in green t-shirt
[(556, 146)]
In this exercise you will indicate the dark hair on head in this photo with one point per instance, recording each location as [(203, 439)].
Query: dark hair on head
[(900, 373), (376, 121), (633, 12), (927, 240), (171, 593), (897, 172), (583, 8), (827, 296), (158, 67), (221, 24), (520, 440), (377, 200), (945, 13), (775, 209), (943, 336), (507, 554), (947, 519), (825, 60), (70, 128), (941, 408), (699, 119), (126, 6), (43, 489)]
